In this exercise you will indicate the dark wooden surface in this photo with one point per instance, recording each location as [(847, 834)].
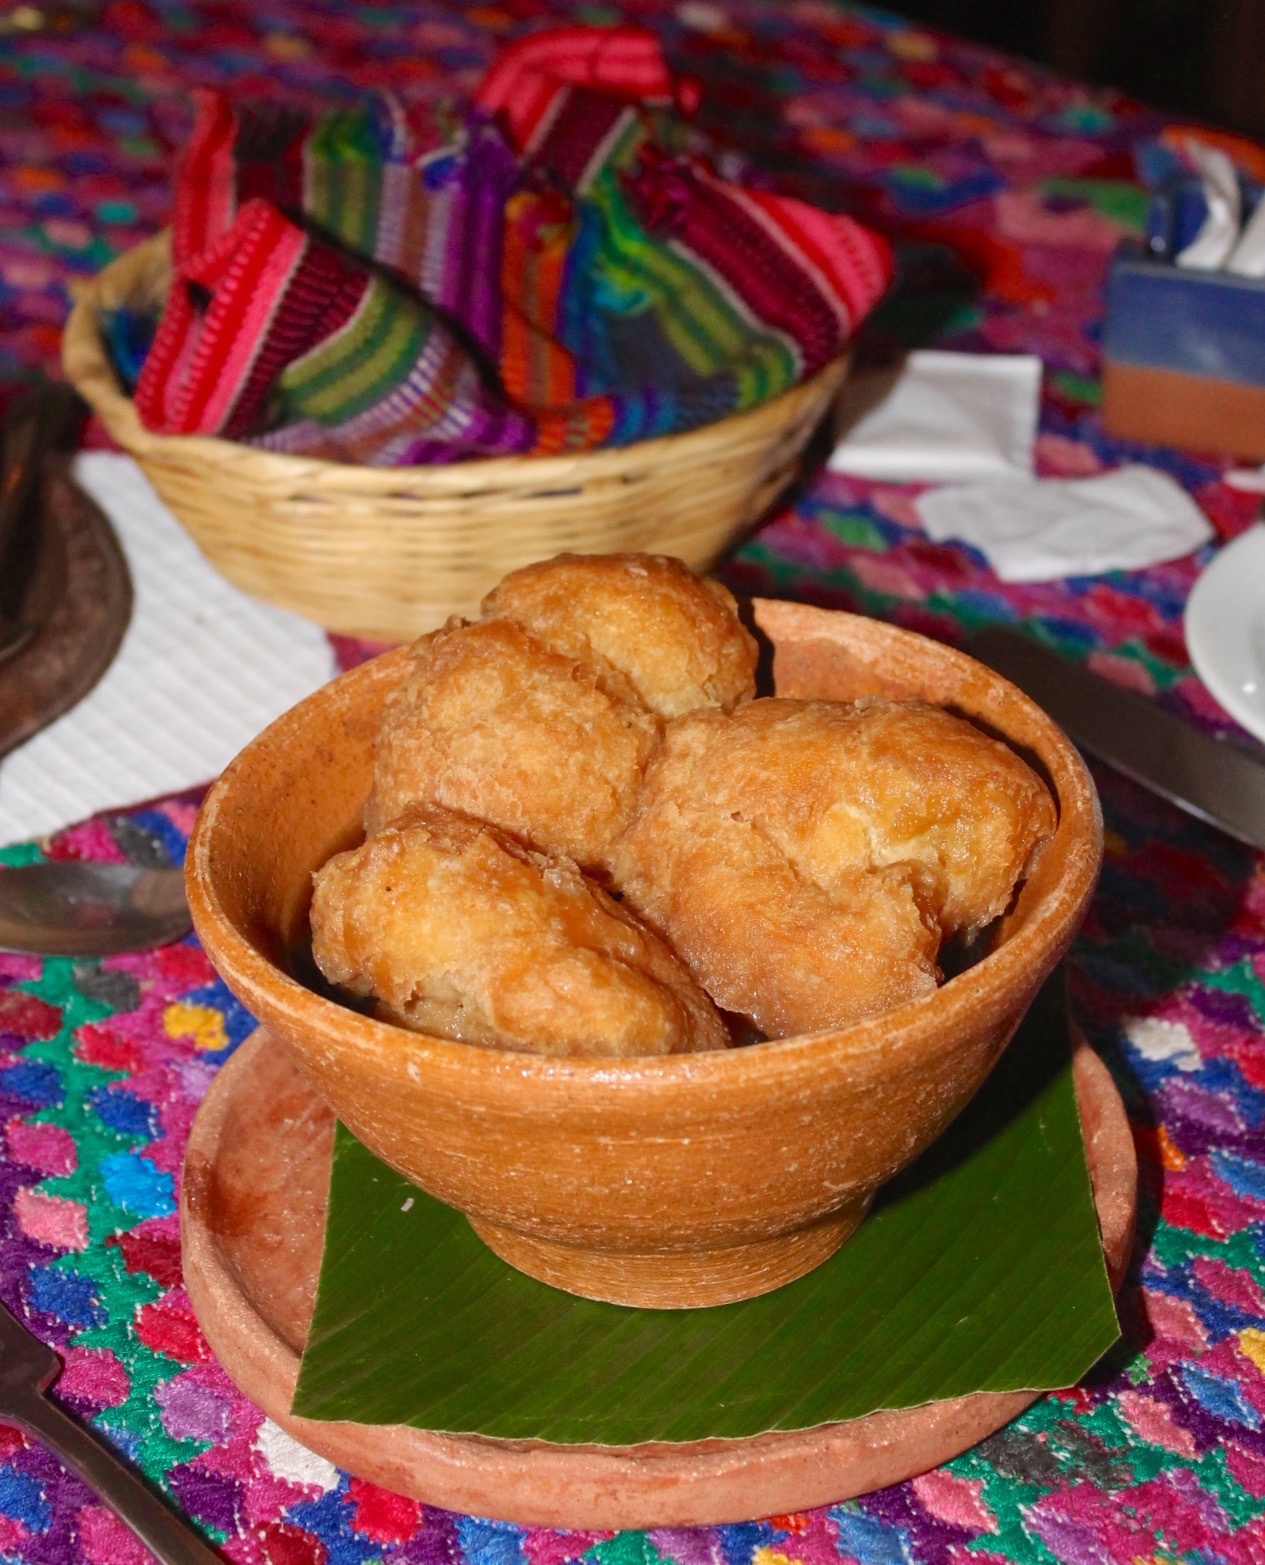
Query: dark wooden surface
[(1204, 59)]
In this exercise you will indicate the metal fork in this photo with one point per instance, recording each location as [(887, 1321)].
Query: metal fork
[(27, 1369)]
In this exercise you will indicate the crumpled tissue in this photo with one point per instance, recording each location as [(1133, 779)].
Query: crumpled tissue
[(1046, 529)]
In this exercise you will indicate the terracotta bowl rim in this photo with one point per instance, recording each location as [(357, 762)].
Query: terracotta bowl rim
[(1002, 972)]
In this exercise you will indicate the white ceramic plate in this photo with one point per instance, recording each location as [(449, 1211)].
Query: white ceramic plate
[(1225, 629)]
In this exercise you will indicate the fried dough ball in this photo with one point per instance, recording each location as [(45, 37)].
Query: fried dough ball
[(460, 932), (767, 943), (904, 782), (806, 857), (676, 639), (491, 722)]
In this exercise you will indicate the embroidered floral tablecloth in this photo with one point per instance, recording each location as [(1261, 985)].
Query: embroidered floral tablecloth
[(1160, 1456)]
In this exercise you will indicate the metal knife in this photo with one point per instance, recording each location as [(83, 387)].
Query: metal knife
[(1213, 779)]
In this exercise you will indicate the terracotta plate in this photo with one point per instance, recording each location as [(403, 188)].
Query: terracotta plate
[(252, 1219), (80, 597)]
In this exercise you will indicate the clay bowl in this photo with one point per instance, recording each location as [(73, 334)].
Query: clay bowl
[(671, 1182)]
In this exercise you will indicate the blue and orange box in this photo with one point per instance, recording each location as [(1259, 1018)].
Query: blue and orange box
[(1184, 356)]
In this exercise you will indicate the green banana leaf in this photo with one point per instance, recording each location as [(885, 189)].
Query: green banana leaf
[(980, 1269)]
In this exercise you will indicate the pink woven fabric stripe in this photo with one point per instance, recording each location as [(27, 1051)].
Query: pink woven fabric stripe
[(707, 218), (623, 62), (199, 362), (853, 262), (320, 295), (248, 291), (206, 185)]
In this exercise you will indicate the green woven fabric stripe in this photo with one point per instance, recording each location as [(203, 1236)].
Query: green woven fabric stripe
[(343, 173), (355, 368), (701, 321)]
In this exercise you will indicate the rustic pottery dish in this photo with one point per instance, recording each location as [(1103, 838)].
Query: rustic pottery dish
[(252, 1221), (672, 1182)]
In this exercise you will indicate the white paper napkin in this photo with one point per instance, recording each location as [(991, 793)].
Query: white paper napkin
[(201, 670), (1044, 529), (943, 416)]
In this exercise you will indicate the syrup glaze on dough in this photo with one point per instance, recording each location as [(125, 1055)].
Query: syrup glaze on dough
[(461, 933), (805, 858)]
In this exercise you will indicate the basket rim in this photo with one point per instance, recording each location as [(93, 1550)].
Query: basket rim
[(87, 367)]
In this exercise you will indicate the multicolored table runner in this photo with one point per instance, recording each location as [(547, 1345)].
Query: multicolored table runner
[(1160, 1456)]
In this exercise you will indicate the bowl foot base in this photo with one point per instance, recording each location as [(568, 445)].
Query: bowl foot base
[(671, 1279)]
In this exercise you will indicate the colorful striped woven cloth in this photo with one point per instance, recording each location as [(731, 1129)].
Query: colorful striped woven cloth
[(550, 272)]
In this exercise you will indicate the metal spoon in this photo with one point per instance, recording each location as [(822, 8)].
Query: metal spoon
[(72, 908)]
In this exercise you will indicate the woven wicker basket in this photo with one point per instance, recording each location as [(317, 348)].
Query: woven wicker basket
[(391, 552)]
